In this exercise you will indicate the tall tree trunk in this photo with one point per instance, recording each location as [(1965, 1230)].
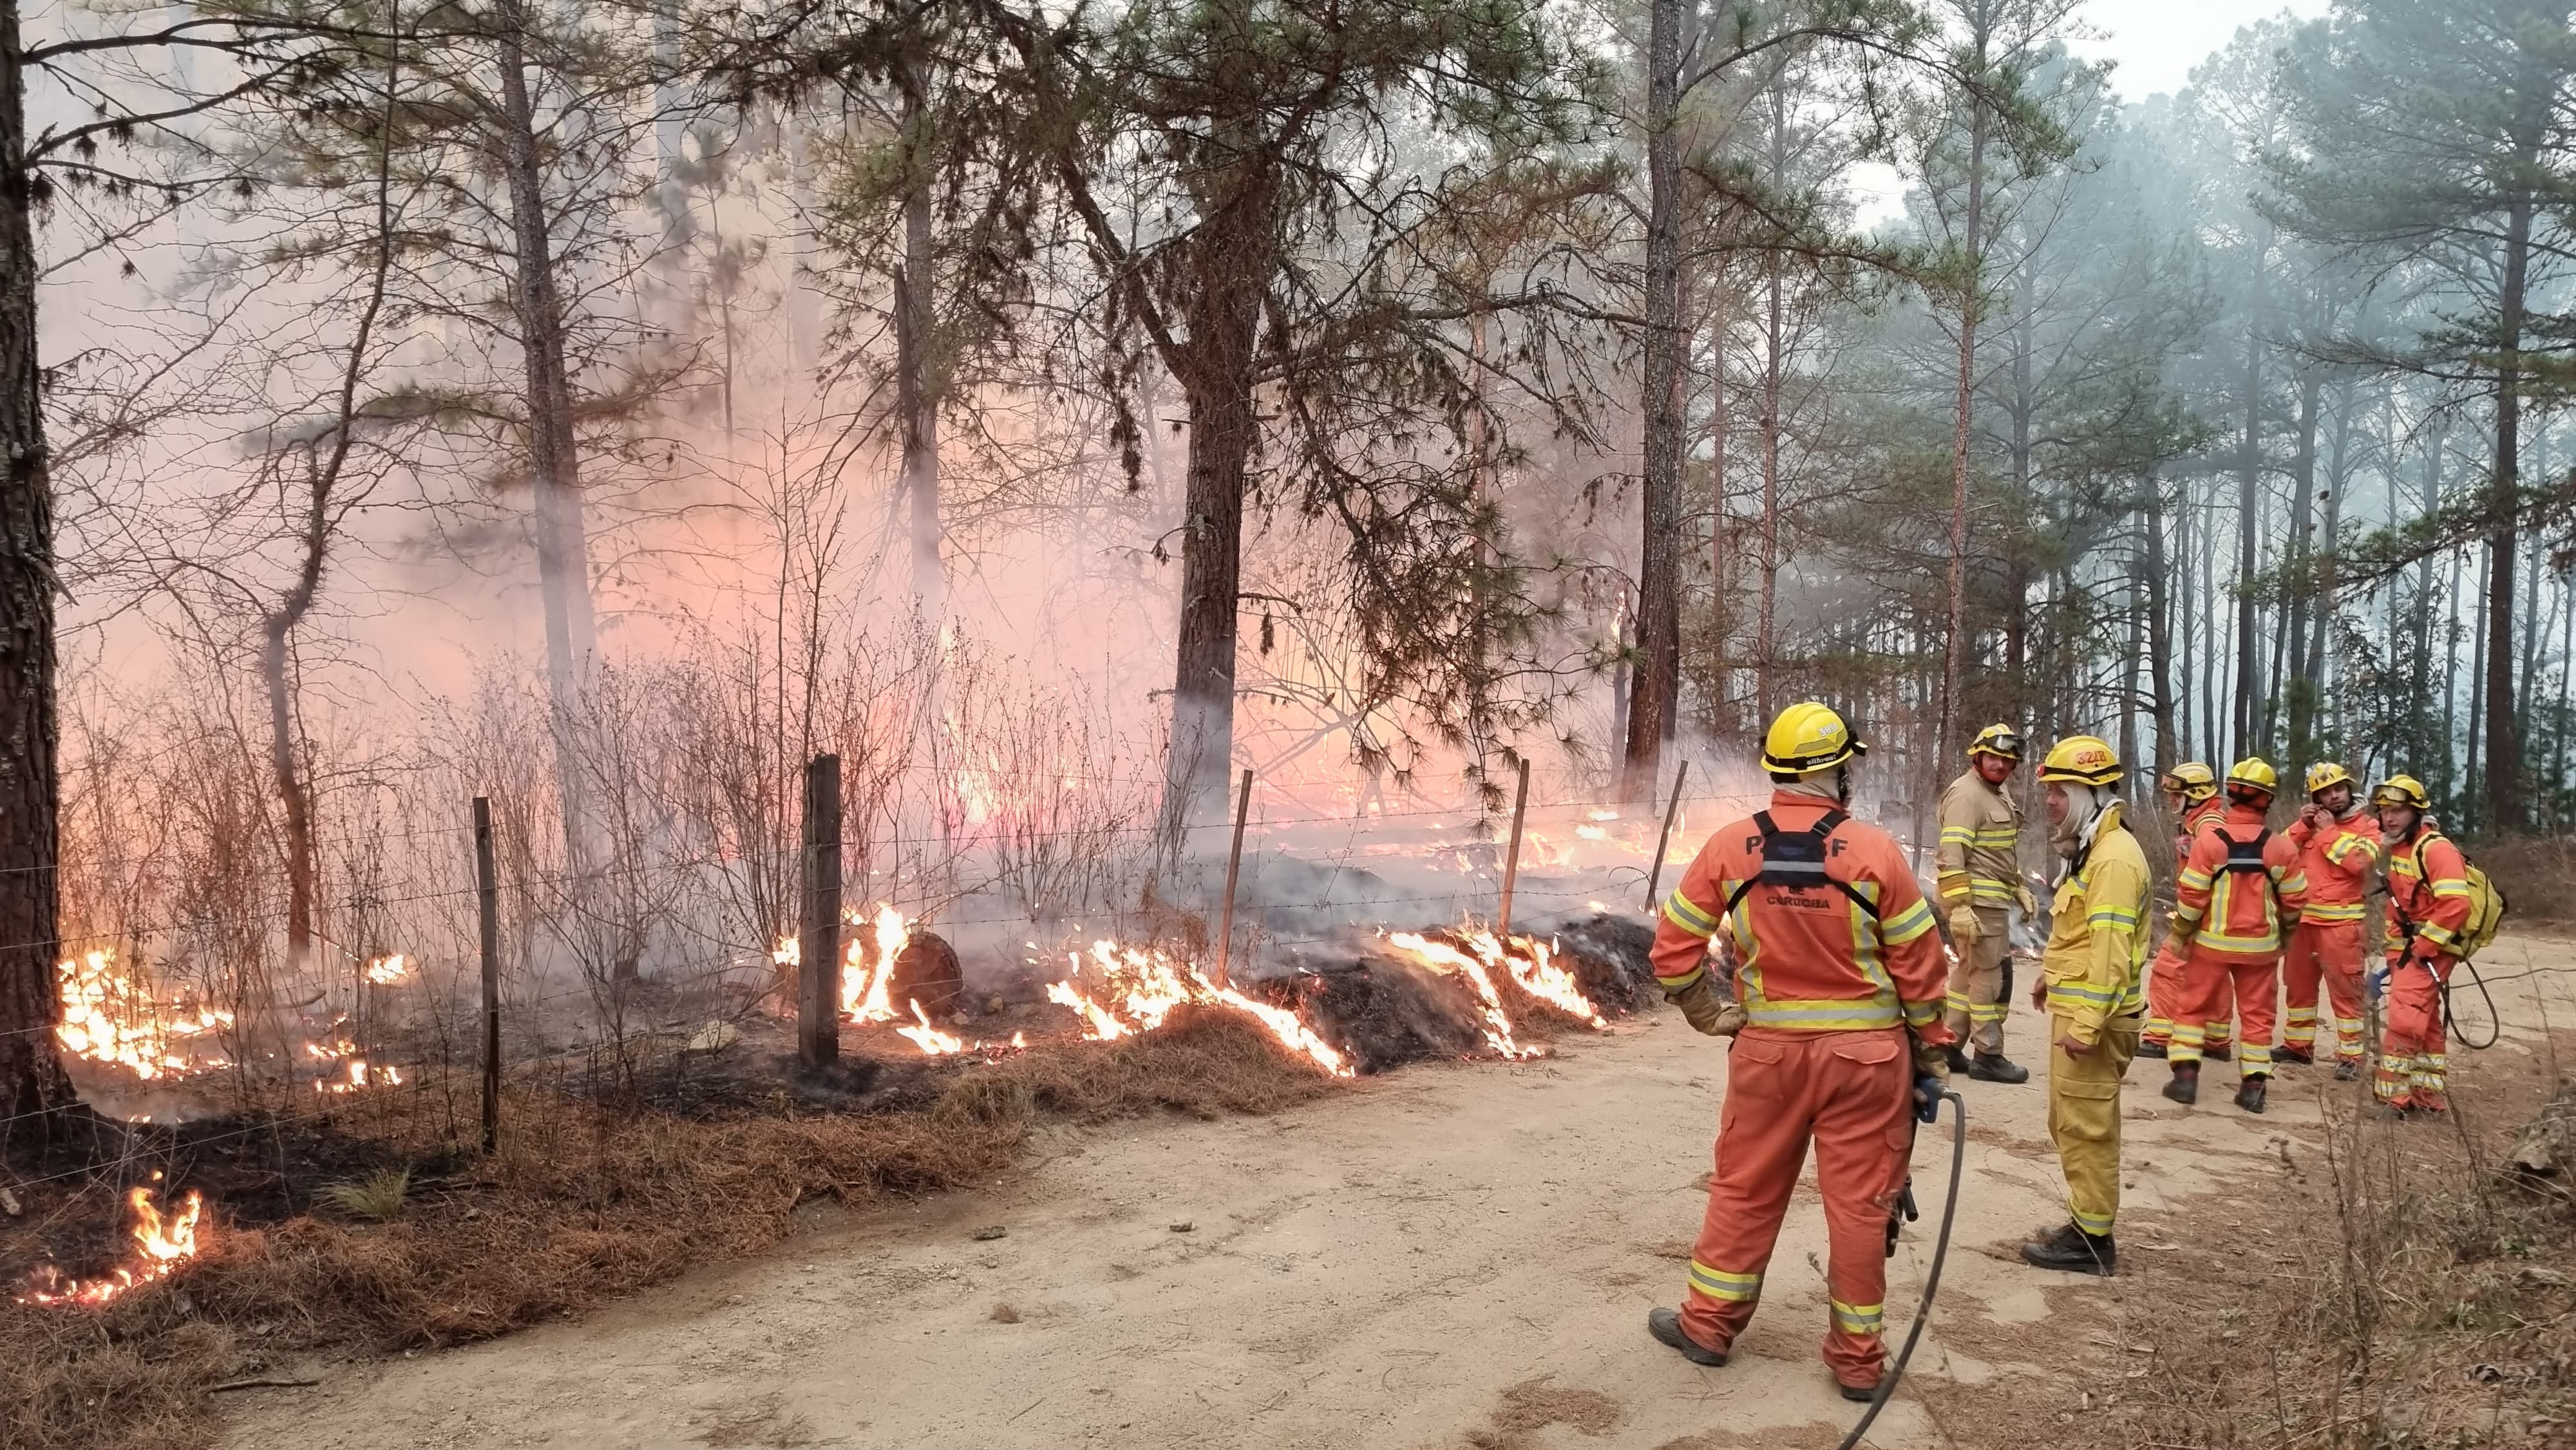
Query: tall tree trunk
[(1963, 415), (916, 392), (2299, 601), (1722, 623), (278, 626), (2159, 630), (32, 1081), (671, 269), (563, 551), (2504, 793), (1653, 708), (1229, 275), (2477, 804), (2249, 464), (1773, 340)]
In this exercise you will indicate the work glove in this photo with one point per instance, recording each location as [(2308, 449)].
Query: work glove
[(1708, 1010), (1931, 1075), (2376, 982), (2029, 903), (2181, 929), (1963, 926)]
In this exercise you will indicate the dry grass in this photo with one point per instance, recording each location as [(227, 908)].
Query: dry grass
[(2538, 877), (578, 1206), (1534, 1405), (2394, 1286)]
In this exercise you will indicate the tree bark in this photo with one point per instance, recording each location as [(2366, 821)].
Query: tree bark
[(1971, 302), (1655, 704), (2503, 782), (1229, 274), (2159, 629), (563, 553), (916, 393), (32, 1080)]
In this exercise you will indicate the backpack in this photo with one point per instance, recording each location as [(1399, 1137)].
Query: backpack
[(1796, 859), (2486, 901)]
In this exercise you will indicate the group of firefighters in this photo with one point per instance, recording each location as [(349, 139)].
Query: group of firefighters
[(1848, 1017)]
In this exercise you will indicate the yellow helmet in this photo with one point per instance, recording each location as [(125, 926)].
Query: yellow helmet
[(2253, 776), (2192, 781), (2402, 790), (1998, 740), (2325, 774), (1809, 737), (2083, 759)]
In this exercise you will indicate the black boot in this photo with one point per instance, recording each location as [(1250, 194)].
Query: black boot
[(1857, 1394), (2219, 1053), (1958, 1060), (2304, 1057), (2151, 1049), (1666, 1326), (2185, 1087), (1995, 1067), (2347, 1072), (2249, 1093), (2072, 1249)]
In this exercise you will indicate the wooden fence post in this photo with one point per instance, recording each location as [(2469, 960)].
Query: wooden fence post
[(487, 891), (818, 936), (1233, 871), (1512, 862), (1663, 843)]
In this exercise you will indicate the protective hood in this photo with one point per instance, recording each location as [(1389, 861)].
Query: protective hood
[(2087, 806)]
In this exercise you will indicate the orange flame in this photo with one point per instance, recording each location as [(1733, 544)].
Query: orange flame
[(931, 1041), (112, 1018), (1144, 985), (161, 1246), (1444, 959), (865, 986), (390, 971)]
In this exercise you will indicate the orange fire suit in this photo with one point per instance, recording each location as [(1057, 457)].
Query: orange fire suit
[(1834, 965), (2164, 978), (2327, 944), (2236, 895), (2428, 906)]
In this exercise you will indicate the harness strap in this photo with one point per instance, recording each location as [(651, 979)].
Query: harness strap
[(1796, 860)]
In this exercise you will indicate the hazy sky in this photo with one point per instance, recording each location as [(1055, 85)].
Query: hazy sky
[(2157, 42)]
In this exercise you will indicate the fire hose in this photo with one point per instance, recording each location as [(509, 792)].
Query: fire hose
[(1932, 1278)]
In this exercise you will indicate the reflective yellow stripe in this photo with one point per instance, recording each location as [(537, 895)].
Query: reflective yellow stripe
[(2332, 913), (2096, 1224), (2197, 880), (1958, 835), (2450, 887), (1858, 1318), (2240, 946), (1682, 912), (1986, 889), (1910, 923), (1719, 1284), (1853, 1014), (2083, 992), (1682, 982)]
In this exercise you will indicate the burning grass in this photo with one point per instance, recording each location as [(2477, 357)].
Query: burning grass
[(580, 1204)]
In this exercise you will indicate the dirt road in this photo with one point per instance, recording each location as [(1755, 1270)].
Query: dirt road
[(1389, 1267)]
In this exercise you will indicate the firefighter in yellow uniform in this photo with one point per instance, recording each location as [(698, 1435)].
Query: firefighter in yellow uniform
[(1980, 881), (2090, 984)]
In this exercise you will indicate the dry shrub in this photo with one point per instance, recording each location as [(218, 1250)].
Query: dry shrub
[(2413, 1291)]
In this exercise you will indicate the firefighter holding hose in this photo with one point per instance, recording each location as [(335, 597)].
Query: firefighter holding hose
[(2089, 986), (1836, 1013)]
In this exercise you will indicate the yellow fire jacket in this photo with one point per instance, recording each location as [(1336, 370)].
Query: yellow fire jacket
[(1978, 860), (2097, 943)]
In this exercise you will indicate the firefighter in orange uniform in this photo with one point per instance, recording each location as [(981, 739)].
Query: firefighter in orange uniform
[(1836, 1012), (2338, 843), (2191, 798), (2238, 893), (2429, 904)]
